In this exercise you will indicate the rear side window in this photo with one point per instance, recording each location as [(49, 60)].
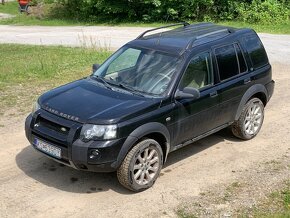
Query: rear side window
[(242, 62), (227, 61), (256, 50)]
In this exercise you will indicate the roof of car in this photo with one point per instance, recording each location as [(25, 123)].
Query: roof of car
[(178, 40)]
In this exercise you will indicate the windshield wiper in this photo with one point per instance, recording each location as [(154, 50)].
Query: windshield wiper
[(102, 80), (128, 88)]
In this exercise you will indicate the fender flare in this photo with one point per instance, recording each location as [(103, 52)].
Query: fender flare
[(257, 88), (137, 134)]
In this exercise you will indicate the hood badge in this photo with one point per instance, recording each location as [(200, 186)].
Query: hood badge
[(67, 116)]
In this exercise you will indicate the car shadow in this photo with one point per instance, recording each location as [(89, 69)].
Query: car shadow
[(200, 145), (53, 174), (59, 176)]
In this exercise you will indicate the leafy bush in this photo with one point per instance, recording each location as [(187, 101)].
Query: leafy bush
[(268, 11), (253, 11)]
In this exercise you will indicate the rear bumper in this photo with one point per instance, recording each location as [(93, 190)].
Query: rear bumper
[(270, 89), (76, 153)]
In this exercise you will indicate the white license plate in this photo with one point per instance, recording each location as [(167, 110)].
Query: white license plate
[(47, 148)]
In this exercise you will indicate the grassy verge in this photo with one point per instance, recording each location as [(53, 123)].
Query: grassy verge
[(23, 19), (281, 200), (283, 28), (27, 71), (276, 206), (9, 8)]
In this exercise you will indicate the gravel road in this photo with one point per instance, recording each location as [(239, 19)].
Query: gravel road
[(99, 36), (32, 185)]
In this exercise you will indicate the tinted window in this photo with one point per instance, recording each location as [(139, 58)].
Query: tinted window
[(242, 62), (198, 73), (256, 51), (227, 61)]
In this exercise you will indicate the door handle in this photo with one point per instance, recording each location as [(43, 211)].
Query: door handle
[(246, 81), (213, 94)]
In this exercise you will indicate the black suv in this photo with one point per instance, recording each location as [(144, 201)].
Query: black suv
[(154, 95)]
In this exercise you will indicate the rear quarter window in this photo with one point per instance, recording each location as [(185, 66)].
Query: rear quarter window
[(256, 50), (227, 61)]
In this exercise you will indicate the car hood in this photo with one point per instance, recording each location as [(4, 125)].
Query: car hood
[(88, 101)]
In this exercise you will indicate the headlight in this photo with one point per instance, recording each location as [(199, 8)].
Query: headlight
[(94, 132), (35, 107)]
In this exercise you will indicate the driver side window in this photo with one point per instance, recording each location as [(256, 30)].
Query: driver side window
[(198, 73)]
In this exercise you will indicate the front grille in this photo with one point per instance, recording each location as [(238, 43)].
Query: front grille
[(52, 126), (55, 130)]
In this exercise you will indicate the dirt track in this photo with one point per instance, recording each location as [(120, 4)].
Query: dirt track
[(33, 185)]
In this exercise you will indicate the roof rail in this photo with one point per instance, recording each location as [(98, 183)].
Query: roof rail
[(163, 27), (190, 44), (226, 30)]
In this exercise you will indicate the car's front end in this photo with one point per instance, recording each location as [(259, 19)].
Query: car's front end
[(64, 141)]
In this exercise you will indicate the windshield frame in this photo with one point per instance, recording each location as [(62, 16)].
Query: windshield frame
[(107, 62)]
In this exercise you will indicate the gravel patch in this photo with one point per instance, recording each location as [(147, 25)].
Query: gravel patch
[(251, 192)]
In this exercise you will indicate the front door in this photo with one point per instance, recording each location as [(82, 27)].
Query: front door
[(192, 118)]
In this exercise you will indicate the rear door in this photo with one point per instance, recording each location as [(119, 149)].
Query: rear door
[(234, 79)]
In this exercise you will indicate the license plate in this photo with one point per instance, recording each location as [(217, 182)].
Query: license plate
[(47, 148)]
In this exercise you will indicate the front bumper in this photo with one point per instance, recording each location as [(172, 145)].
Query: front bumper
[(74, 152)]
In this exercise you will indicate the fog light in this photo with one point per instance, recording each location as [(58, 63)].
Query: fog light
[(94, 154)]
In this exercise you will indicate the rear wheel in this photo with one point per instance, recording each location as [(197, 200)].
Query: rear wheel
[(141, 166), (250, 121)]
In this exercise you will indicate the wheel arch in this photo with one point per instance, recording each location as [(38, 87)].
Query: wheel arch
[(153, 130), (258, 91)]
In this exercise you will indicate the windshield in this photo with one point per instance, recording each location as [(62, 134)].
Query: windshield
[(140, 70)]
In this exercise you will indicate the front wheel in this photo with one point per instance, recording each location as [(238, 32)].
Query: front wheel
[(250, 121), (141, 166)]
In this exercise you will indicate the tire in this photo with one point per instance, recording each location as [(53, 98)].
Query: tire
[(250, 121), (136, 172)]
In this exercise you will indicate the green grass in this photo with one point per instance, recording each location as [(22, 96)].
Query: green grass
[(283, 28), (183, 213), (9, 8), (23, 19), (27, 71), (277, 205)]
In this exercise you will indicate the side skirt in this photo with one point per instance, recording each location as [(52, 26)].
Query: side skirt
[(201, 136)]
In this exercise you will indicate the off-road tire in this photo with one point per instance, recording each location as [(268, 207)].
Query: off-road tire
[(125, 173), (238, 127)]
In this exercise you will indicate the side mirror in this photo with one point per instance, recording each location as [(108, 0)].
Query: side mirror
[(187, 93), (95, 67)]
